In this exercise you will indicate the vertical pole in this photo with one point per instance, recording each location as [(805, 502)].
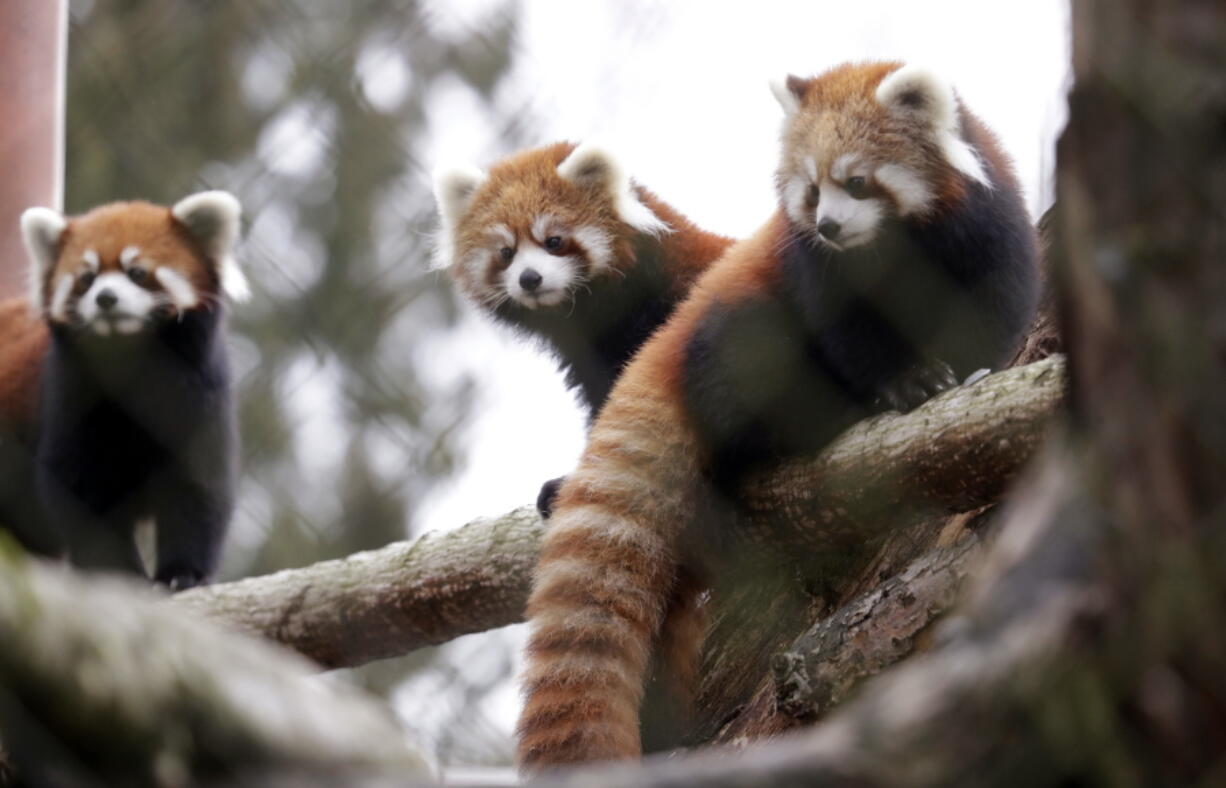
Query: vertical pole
[(33, 38)]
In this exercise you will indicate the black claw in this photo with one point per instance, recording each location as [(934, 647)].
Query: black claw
[(918, 385)]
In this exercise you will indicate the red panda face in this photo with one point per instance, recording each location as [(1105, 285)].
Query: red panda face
[(867, 143), (539, 226), (124, 267)]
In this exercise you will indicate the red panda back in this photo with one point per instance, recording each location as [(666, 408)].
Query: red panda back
[(23, 343)]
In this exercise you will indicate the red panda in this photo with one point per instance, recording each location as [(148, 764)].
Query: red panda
[(116, 402), (558, 243), (900, 260)]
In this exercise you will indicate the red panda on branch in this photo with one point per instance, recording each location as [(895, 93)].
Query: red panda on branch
[(558, 243), (900, 261), (115, 395)]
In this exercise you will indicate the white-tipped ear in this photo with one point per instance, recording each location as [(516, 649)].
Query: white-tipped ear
[(213, 218), (591, 166), (919, 93), (41, 230), (454, 188), (788, 92), (916, 92)]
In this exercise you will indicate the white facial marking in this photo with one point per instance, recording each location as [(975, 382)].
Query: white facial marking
[(128, 255), (910, 191), (503, 235), (544, 226), (59, 297), (842, 167), (91, 259), (810, 165), (795, 193), (596, 244), (557, 274), (857, 219), (177, 287), (128, 312)]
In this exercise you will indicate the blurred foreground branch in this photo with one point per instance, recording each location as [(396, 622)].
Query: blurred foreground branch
[(955, 453), (101, 683)]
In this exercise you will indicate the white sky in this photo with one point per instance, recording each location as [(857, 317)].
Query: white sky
[(679, 91)]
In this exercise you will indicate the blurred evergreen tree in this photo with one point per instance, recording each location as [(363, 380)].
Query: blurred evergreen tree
[(312, 113)]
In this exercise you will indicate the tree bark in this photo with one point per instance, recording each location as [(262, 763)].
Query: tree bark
[(101, 683), (965, 445)]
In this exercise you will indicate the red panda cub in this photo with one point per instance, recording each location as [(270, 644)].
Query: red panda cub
[(558, 243), (116, 404), (901, 259)]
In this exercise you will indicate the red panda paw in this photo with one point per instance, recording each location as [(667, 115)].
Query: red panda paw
[(916, 386)]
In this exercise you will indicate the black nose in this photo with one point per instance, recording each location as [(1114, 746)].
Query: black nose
[(529, 279), (829, 228), (106, 299)]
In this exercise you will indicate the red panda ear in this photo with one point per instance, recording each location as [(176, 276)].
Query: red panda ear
[(454, 188), (41, 230), (591, 166), (918, 93), (789, 92), (213, 218)]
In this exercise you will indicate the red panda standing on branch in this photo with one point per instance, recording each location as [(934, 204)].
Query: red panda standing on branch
[(901, 260), (116, 402), (560, 244)]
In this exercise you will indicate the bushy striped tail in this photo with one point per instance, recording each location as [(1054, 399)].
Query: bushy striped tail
[(608, 570)]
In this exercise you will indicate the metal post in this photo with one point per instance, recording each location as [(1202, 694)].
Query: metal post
[(33, 38)]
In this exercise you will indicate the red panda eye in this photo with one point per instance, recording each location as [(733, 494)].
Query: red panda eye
[(506, 253), (84, 281), (857, 187), (553, 243), (138, 275), (814, 193)]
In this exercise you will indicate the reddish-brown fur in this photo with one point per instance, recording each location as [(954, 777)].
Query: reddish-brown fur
[(611, 570), (526, 184), (574, 716), (23, 342), (107, 230)]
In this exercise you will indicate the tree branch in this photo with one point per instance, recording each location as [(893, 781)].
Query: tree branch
[(102, 683), (954, 453)]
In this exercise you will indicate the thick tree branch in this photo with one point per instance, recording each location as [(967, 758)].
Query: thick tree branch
[(1030, 625), (101, 683), (964, 447), (388, 602)]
